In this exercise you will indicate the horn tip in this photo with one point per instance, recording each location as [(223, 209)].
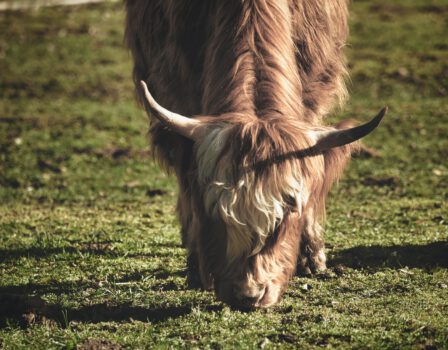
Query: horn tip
[(381, 114), (148, 95)]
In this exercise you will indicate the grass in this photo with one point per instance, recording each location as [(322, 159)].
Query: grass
[(90, 252)]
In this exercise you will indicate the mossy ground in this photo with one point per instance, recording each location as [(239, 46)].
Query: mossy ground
[(90, 250)]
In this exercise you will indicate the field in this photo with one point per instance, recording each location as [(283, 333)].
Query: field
[(90, 253)]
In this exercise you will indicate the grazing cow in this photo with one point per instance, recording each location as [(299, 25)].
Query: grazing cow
[(253, 159)]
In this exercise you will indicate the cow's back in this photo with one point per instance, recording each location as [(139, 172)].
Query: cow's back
[(169, 40)]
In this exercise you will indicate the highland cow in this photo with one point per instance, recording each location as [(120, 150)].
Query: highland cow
[(246, 84)]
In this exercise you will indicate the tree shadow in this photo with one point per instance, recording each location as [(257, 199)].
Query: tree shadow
[(99, 249), (39, 289), (428, 256), (19, 306), (38, 252), (23, 304), (156, 273), (26, 310)]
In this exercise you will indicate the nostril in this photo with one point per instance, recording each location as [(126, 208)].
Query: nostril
[(249, 298), (248, 301)]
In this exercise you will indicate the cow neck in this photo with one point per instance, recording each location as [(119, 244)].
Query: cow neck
[(252, 68)]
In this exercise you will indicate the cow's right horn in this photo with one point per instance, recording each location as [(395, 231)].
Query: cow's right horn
[(337, 138), (187, 127)]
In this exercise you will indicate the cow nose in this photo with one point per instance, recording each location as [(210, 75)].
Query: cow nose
[(249, 298), (248, 301)]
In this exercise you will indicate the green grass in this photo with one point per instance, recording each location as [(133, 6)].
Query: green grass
[(90, 252)]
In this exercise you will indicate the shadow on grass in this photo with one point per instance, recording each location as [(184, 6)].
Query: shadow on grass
[(38, 289), (22, 305), (429, 256), (25, 310), (39, 253), (157, 274)]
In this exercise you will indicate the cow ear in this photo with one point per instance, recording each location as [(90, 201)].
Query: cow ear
[(190, 128), (336, 160)]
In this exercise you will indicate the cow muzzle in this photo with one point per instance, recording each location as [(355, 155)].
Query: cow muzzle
[(247, 295)]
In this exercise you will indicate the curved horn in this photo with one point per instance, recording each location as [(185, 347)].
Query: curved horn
[(337, 138), (187, 127)]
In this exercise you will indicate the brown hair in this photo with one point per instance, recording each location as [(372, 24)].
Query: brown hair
[(263, 73)]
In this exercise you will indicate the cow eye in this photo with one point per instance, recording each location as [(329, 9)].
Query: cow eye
[(291, 203)]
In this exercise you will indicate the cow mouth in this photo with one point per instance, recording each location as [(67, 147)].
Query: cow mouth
[(251, 302), (240, 300), (259, 303)]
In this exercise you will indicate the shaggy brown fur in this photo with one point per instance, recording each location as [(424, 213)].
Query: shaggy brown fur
[(263, 73)]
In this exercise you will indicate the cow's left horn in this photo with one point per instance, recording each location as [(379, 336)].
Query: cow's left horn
[(336, 138), (187, 127)]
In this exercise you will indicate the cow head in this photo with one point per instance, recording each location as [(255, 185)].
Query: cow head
[(261, 184)]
